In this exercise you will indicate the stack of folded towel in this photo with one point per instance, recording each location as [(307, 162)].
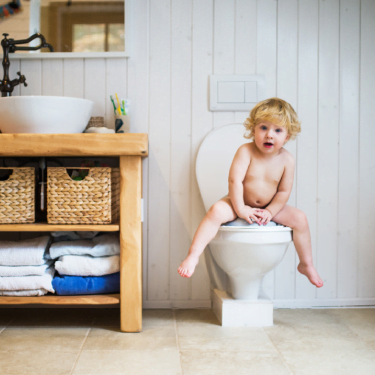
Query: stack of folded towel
[(86, 266), (25, 268)]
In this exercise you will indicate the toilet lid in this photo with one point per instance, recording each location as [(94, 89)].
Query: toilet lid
[(214, 159)]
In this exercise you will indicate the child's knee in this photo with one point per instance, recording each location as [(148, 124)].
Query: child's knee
[(216, 211), (300, 220)]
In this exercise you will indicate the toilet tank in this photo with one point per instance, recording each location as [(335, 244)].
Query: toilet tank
[(214, 159)]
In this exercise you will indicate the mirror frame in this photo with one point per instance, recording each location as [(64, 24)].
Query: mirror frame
[(81, 55)]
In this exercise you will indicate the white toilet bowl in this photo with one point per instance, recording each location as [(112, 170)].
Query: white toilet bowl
[(247, 254), (244, 252)]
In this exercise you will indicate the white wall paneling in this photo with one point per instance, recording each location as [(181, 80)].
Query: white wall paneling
[(348, 196), (366, 164), (307, 152), (318, 55), (160, 150), (180, 157), (328, 136)]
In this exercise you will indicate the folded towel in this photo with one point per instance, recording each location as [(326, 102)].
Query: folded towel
[(24, 293), (28, 282), (24, 253), (24, 270), (86, 265), (69, 236), (107, 244), (72, 285)]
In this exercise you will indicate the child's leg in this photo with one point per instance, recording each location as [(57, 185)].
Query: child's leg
[(221, 212), (296, 219)]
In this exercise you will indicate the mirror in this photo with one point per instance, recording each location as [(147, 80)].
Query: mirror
[(77, 26)]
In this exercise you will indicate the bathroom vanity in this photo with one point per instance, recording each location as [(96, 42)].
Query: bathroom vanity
[(130, 149)]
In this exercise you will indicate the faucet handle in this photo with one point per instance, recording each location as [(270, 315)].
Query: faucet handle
[(22, 79), (5, 34)]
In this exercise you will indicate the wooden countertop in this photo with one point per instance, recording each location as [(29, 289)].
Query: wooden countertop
[(83, 144)]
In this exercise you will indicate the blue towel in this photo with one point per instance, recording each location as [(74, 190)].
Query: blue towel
[(72, 285)]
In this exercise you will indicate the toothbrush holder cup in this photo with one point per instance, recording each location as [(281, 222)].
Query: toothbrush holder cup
[(122, 123)]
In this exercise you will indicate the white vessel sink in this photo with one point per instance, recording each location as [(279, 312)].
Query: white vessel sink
[(44, 114)]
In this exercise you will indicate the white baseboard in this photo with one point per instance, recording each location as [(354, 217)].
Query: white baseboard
[(316, 303), (178, 304), (277, 303)]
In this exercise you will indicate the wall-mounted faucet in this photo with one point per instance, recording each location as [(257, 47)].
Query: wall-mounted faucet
[(9, 46)]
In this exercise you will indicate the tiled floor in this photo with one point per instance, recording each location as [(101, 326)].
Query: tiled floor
[(186, 342)]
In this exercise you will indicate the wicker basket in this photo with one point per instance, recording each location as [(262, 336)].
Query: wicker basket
[(17, 196), (93, 200)]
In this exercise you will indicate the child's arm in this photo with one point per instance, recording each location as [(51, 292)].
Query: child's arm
[(284, 189), (237, 173)]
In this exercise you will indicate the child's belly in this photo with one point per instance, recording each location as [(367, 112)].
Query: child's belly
[(258, 194)]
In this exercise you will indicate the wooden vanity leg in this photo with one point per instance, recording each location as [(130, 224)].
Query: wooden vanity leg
[(130, 243)]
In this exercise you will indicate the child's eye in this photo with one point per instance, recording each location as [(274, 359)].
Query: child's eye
[(279, 130), (263, 127)]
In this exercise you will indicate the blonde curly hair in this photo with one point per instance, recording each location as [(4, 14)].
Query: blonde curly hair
[(274, 110)]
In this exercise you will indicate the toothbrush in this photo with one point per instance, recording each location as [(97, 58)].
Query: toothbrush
[(119, 105), (126, 108), (114, 107), (123, 107)]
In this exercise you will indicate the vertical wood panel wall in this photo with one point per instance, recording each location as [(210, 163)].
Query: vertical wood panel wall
[(318, 55)]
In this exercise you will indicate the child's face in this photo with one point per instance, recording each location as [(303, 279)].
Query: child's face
[(269, 137)]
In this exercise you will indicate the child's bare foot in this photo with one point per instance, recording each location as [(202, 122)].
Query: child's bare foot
[(187, 267), (311, 273)]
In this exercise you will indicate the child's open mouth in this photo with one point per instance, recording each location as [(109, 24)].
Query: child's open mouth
[(268, 145)]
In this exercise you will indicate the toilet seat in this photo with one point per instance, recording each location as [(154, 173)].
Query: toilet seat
[(254, 229), (242, 225)]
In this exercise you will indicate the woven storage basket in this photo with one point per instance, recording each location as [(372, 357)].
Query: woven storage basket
[(17, 196), (94, 200)]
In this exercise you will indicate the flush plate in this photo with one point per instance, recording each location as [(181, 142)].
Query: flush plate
[(236, 92)]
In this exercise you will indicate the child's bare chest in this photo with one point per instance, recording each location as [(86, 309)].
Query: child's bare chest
[(264, 172)]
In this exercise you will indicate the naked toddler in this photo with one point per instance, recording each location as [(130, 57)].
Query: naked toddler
[(260, 181)]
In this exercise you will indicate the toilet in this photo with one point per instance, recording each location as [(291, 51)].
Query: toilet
[(241, 254)]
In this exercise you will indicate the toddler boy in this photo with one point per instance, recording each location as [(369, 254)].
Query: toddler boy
[(260, 182)]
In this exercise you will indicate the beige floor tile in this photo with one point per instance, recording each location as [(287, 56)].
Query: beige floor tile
[(158, 318), (109, 338), (207, 336), (196, 315), (132, 362), (360, 321), (150, 318), (197, 362), (27, 363), (317, 342), (42, 339)]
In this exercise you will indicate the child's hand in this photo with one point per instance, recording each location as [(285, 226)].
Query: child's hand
[(266, 217), (248, 214)]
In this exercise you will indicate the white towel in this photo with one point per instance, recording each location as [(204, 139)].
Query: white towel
[(85, 265), (9, 271), (24, 293), (105, 245), (24, 253), (28, 282)]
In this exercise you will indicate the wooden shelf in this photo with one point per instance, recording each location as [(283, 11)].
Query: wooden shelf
[(44, 227), (84, 144), (130, 149), (104, 299)]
